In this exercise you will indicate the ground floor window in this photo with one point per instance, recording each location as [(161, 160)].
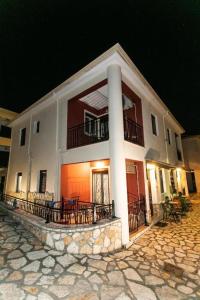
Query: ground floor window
[(19, 182), (42, 182), (191, 182), (161, 181), (173, 187), (2, 184)]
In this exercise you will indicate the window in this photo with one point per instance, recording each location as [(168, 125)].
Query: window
[(161, 181), (178, 151), (42, 182), (90, 124), (168, 136), (19, 182), (36, 127), (22, 136), (5, 131), (154, 124)]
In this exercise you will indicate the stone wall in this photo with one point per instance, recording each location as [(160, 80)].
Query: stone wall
[(77, 239), (32, 195)]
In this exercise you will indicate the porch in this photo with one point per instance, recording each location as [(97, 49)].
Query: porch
[(90, 183)]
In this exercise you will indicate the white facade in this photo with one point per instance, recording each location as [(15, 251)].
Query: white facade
[(46, 150)]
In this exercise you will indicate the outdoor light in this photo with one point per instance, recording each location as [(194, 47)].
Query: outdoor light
[(99, 164), (178, 174), (151, 167)]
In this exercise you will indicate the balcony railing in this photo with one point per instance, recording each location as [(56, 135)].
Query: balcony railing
[(68, 211), (91, 132), (133, 132), (97, 131), (136, 212)]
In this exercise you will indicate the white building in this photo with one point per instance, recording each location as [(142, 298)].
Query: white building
[(191, 148), (104, 134)]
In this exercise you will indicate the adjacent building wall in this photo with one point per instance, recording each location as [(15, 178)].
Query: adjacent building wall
[(191, 148)]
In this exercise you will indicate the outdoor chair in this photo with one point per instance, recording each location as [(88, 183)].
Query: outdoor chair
[(185, 203), (170, 212)]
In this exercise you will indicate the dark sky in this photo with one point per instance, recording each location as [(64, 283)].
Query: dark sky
[(43, 42)]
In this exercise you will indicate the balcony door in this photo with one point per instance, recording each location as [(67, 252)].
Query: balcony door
[(100, 186), (96, 126)]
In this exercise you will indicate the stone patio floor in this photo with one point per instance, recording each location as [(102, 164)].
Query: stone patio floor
[(29, 270)]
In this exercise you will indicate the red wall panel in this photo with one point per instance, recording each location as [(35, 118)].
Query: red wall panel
[(132, 185), (75, 181), (136, 100)]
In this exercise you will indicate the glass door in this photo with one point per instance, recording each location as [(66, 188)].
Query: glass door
[(100, 187)]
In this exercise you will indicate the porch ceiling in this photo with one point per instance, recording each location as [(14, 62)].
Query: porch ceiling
[(97, 99)]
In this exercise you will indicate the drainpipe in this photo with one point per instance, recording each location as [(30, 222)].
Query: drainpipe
[(9, 160), (167, 154), (29, 160), (57, 171)]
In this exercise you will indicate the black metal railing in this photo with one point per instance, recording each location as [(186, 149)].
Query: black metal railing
[(97, 130), (133, 132), (68, 211), (136, 212), (90, 132)]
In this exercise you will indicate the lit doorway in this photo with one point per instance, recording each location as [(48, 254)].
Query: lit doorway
[(100, 186)]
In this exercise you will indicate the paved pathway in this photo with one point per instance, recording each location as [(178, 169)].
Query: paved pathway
[(145, 271)]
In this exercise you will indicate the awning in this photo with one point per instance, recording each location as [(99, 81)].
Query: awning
[(163, 164)]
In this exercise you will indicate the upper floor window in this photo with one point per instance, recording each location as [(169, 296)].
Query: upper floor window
[(22, 136), (5, 131), (169, 136), (36, 127), (43, 180), (90, 124), (154, 124), (19, 182), (178, 151)]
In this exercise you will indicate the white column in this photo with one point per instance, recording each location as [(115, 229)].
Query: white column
[(116, 142), (29, 165), (147, 198)]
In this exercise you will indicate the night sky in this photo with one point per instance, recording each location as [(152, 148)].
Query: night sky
[(43, 42)]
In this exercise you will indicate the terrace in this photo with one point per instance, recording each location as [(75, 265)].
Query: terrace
[(66, 212), (138, 272), (88, 117)]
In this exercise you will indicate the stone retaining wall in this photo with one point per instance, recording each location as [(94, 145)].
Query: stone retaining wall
[(76, 239)]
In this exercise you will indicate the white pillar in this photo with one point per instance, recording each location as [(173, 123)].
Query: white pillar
[(147, 193), (116, 141)]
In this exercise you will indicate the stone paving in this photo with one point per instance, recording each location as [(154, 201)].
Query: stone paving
[(163, 264)]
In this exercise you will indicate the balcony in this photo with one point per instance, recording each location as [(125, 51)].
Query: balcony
[(133, 132), (96, 131), (90, 132)]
